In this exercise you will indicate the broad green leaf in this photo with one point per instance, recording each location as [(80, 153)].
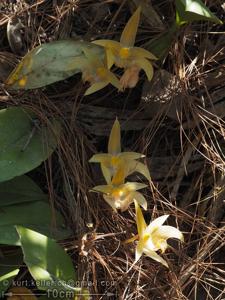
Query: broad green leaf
[(34, 215), (24, 144), (37, 212), (160, 45), (9, 235), (46, 260), (194, 10), (49, 63), (20, 189), (9, 268), (6, 278)]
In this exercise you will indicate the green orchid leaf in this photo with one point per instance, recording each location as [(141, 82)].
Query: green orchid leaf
[(20, 189), (49, 63), (9, 268), (193, 10), (9, 235), (186, 11), (24, 143), (47, 262), (161, 44), (7, 278), (34, 215), (24, 203)]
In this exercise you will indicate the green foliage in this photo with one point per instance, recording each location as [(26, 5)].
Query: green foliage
[(24, 145), (24, 203), (20, 189), (46, 260), (161, 44), (10, 264), (6, 276), (34, 215), (49, 63), (9, 235), (193, 10), (186, 11)]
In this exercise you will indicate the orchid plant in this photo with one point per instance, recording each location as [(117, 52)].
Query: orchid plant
[(95, 71), (116, 166), (125, 55), (120, 195), (115, 160), (154, 236)]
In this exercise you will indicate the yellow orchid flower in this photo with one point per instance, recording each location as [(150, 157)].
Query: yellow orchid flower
[(124, 55), (121, 196), (154, 236), (96, 72), (115, 160)]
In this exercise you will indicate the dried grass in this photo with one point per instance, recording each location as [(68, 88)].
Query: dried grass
[(185, 153)]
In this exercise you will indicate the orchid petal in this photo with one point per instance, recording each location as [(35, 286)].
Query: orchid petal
[(93, 58), (119, 177), (106, 173), (130, 30), (114, 80), (138, 251), (163, 246), (156, 243), (140, 199), (110, 201), (134, 186), (130, 77), (131, 155), (146, 65), (156, 257), (156, 224), (106, 189), (131, 240), (109, 44), (142, 53), (124, 204), (101, 157), (150, 244), (114, 146), (117, 203), (136, 166), (141, 224), (111, 48), (110, 58), (167, 232), (96, 87)]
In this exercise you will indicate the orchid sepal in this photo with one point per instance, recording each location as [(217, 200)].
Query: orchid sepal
[(154, 236)]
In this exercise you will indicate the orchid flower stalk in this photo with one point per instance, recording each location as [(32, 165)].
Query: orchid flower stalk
[(125, 55), (154, 236), (115, 160)]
